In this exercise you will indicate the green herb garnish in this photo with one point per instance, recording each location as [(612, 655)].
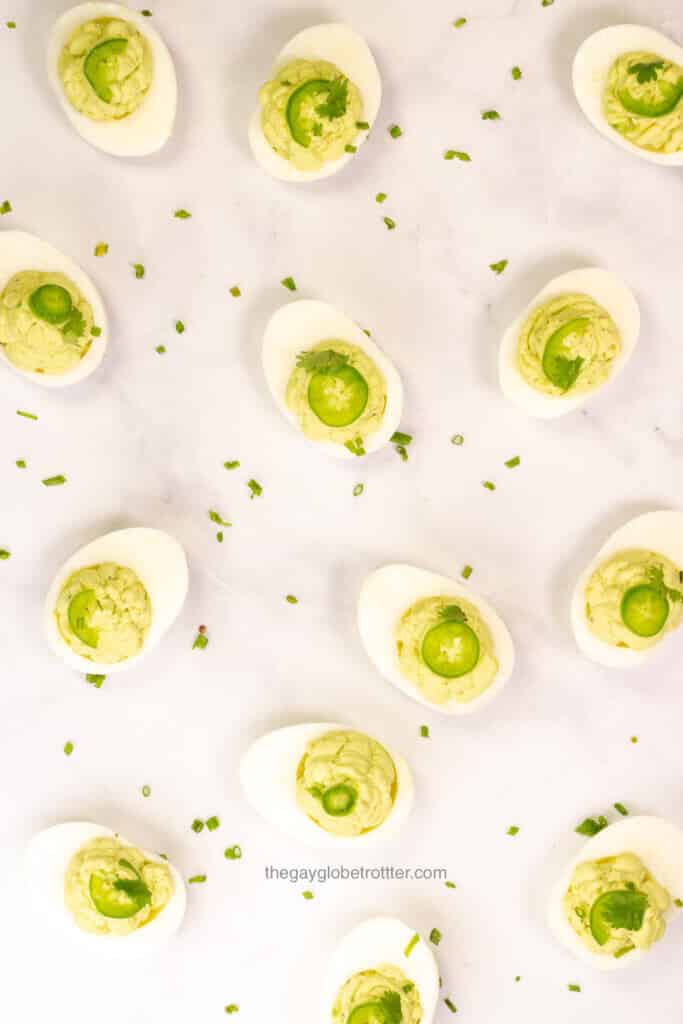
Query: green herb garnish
[(467, 571), (20, 464), (348, 148), (307, 894), (591, 826), (656, 577), (355, 446), (235, 464), (459, 22), (26, 415), (395, 131), (135, 889), (572, 988), (490, 115), (146, 791), (513, 830), (160, 349), (424, 731), (452, 613), (139, 270), (390, 223), (196, 879), (325, 361), (513, 462), (390, 1007), (337, 100), (212, 823), (646, 72), (288, 283), (180, 327), (74, 326), (235, 291), (622, 810), (197, 826), (489, 485), (216, 517), (5, 207), (451, 1005), (566, 371), (450, 885), (398, 437), (201, 642), (233, 853), (4, 554), (54, 481), (255, 488), (411, 945), (457, 154), (358, 489), (380, 197), (457, 440), (435, 936), (182, 214), (516, 73), (291, 599), (95, 331), (498, 267), (624, 908), (101, 249), (231, 1008), (68, 748), (11, 24), (95, 679)]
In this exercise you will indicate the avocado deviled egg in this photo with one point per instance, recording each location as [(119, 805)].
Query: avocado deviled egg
[(112, 601), (319, 105), (330, 380), (327, 785), (628, 80), (114, 78)]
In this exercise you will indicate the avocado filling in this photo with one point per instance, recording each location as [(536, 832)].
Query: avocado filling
[(106, 69), (337, 393), (346, 783), (112, 889), (384, 995), (643, 101), (634, 598), (446, 649), (103, 612), (45, 322), (310, 113), (615, 905), (567, 345)]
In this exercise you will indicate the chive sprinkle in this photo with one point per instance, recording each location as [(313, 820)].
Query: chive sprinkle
[(424, 731), (307, 894), (232, 1008), (95, 331), (451, 1005), (622, 810), (11, 24), (358, 489), (219, 536), (160, 349), (196, 879), (54, 481), (68, 748), (20, 463), (235, 464), (634, 739), (380, 197), (182, 214), (390, 223), (288, 283), (490, 115), (467, 571), (212, 823), (513, 830), (201, 642), (511, 463), (233, 853), (498, 267), (139, 270), (291, 599), (398, 437), (572, 988), (450, 885), (435, 936), (26, 415), (5, 207), (197, 825), (180, 327), (101, 249), (216, 517), (255, 488), (235, 291), (395, 131), (516, 73), (348, 148), (457, 440), (678, 902), (457, 154), (4, 554), (146, 13), (459, 22), (489, 485), (411, 945), (362, 126), (95, 679)]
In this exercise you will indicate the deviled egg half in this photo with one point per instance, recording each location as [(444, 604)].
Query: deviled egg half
[(380, 973), (613, 902), (114, 599), (435, 639), (327, 785), (573, 338), (319, 105), (628, 80), (630, 597), (330, 379), (90, 885), (53, 327), (114, 78)]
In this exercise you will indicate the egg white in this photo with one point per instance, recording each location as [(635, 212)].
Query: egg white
[(660, 532), (22, 251), (339, 45), (299, 326), (46, 860), (608, 291), (160, 563), (657, 843), (145, 130), (378, 941), (268, 776), (591, 67), (387, 594)]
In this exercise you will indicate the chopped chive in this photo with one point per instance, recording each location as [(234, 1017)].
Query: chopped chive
[(511, 463), (355, 446), (5, 207), (232, 1008), (622, 810), (101, 249), (467, 571), (160, 349), (591, 826), (457, 154), (513, 830), (623, 951), (146, 13), (146, 791), (380, 197), (54, 481), (362, 126), (95, 679), (4, 554), (451, 1005), (11, 24), (459, 22), (196, 879), (139, 270), (307, 894), (490, 115), (498, 267), (398, 437), (182, 214), (197, 825), (235, 291), (395, 131), (572, 988), (424, 731), (255, 488), (516, 73), (288, 283), (233, 853), (216, 517), (20, 463), (435, 936), (518, 978), (68, 748), (26, 415), (489, 485), (212, 823), (358, 489), (411, 945), (232, 465), (95, 331), (180, 327), (634, 739), (547, 3), (219, 536), (457, 440), (390, 223), (201, 642), (291, 599), (348, 148), (678, 902), (450, 885)]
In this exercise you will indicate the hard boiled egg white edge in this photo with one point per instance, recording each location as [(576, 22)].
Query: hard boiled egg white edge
[(660, 532), (656, 842), (268, 775), (384, 597), (46, 859), (378, 941), (145, 130), (299, 326), (21, 251), (608, 291), (339, 45), (591, 67), (159, 561)]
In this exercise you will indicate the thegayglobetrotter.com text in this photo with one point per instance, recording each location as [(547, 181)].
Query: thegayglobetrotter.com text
[(342, 873)]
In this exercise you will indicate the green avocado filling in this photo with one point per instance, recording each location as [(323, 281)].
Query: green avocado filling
[(446, 649), (567, 345), (634, 598), (346, 783), (103, 612), (337, 393), (106, 69), (46, 325), (643, 101), (310, 113), (615, 905), (384, 995), (111, 888)]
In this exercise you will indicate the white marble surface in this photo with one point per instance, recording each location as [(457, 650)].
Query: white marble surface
[(143, 442)]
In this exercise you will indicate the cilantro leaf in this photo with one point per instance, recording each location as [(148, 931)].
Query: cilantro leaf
[(567, 370), (646, 72), (337, 100), (326, 361), (452, 613), (656, 577), (390, 1004), (624, 908)]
